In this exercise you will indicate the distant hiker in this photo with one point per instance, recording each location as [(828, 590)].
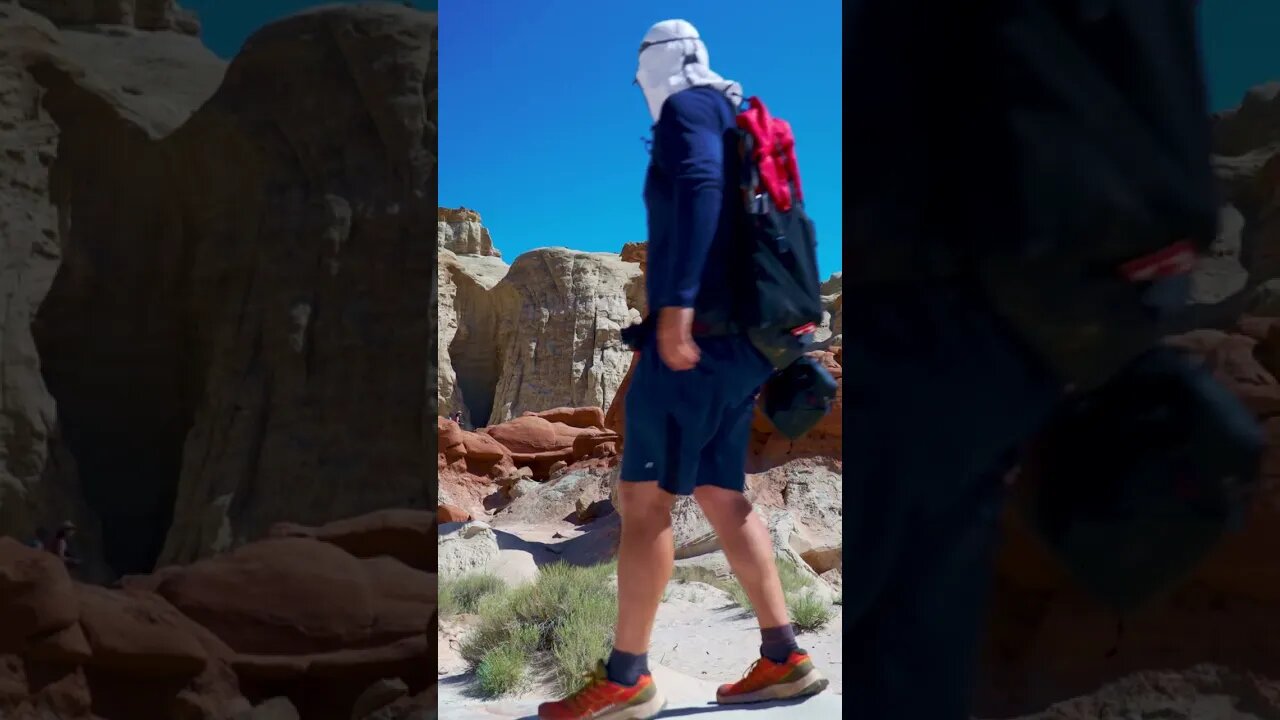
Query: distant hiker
[(456, 417), (689, 406), (62, 543)]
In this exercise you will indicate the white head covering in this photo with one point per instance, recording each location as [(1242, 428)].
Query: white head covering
[(674, 58)]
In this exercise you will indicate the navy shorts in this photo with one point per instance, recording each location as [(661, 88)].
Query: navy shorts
[(688, 429)]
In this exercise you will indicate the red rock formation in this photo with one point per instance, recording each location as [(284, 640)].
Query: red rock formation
[(636, 252), (471, 462), (406, 535), (586, 417), (451, 513), (538, 443), (314, 614), (124, 653)]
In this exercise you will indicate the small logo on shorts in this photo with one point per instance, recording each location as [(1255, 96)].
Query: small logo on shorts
[(648, 466)]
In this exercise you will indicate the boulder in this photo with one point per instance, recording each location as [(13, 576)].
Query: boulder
[(403, 534), (557, 499), (560, 314), (138, 634), (37, 597), (377, 696), (276, 708), (261, 598), (578, 417), (465, 548), (451, 514)]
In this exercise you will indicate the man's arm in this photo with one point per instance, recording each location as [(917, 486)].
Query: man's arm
[(692, 151)]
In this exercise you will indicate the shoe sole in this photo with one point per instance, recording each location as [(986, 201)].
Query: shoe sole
[(647, 710), (811, 683)]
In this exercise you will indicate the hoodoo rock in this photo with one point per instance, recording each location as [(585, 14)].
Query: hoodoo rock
[(541, 333), (216, 320)]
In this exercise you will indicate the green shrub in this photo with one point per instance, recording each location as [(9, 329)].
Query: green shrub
[(557, 626), (464, 594)]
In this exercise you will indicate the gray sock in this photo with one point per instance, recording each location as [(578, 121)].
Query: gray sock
[(777, 643)]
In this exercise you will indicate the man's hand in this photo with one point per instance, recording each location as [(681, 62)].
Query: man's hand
[(675, 338)]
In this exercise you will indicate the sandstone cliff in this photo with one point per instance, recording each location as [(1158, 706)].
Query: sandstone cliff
[(75, 110), (545, 331), (541, 333), (217, 316), (233, 323)]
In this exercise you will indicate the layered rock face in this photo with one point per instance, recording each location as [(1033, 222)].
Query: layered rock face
[(307, 278), (544, 332), (460, 231), (217, 317), (81, 204), (140, 14), (233, 326)]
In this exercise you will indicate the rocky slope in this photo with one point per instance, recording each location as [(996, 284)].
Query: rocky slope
[(327, 622), (213, 317)]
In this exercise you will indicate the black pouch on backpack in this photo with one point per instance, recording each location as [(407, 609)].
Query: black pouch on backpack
[(1131, 485), (797, 397)]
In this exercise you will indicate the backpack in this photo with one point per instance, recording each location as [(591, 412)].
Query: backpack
[(797, 397), (1061, 168), (779, 303), (1100, 106), (1131, 485), (1100, 204)]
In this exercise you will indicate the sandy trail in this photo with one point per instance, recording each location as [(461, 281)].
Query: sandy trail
[(686, 697)]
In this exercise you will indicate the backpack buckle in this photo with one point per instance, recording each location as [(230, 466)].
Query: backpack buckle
[(1176, 259)]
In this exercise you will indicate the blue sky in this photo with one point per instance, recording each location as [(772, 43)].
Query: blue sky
[(226, 24), (541, 129), (1239, 38)]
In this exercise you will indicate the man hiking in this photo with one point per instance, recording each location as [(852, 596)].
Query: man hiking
[(692, 396)]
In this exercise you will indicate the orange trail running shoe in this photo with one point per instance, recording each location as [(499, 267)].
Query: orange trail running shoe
[(768, 680), (602, 699)]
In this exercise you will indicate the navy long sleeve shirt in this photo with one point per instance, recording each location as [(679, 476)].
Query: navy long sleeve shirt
[(690, 176)]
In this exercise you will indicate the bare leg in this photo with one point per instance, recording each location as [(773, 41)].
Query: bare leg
[(646, 556), (747, 546)]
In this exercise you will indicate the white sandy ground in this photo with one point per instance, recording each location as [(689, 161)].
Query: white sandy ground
[(699, 641), (686, 697)]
